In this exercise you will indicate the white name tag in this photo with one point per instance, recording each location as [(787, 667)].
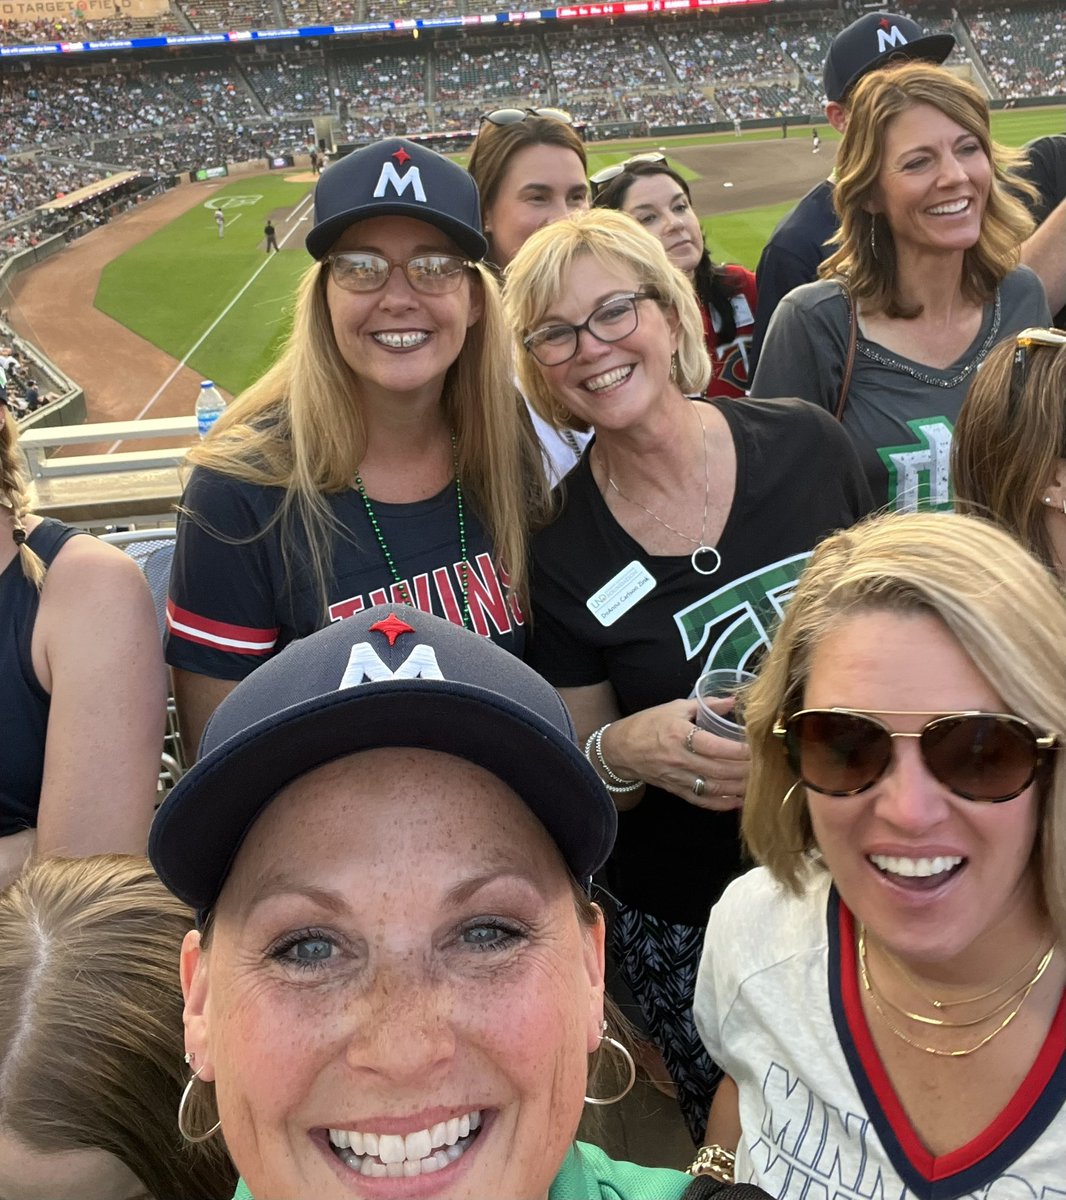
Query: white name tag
[(618, 595)]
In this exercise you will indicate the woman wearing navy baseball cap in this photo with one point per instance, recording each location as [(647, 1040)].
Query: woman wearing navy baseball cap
[(383, 457), (397, 980)]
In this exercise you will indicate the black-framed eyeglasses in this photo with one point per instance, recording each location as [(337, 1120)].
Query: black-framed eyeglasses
[(600, 180), (514, 116), (1024, 345), (430, 274), (988, 757), (609, 322)]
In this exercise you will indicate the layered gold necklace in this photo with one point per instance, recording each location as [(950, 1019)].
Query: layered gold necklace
[(1012, 1005)]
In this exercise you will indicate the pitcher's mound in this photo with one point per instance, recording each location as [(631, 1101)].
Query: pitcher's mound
[(302, 177)]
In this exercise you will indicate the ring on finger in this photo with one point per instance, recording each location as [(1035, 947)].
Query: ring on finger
[(698, 786), (690, 738)]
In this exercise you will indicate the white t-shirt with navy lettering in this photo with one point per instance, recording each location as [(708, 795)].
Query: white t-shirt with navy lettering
[(777, 1004)]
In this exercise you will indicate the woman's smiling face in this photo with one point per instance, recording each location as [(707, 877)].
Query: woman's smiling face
[(398, 996)]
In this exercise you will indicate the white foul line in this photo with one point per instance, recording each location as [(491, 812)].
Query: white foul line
[(211, 328)]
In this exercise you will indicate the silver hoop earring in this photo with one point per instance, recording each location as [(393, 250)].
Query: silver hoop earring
[(190, 1137), (631, 1068), (873, 235)]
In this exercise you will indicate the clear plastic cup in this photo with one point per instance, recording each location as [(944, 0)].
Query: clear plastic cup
[(719, 685)]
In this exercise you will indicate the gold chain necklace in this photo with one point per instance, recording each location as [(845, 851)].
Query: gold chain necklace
[(1026, 991), (902, 971)]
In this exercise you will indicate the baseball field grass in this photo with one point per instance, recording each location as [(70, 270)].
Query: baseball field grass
[(223, 306)]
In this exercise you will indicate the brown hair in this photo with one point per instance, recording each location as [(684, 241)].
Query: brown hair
[(15, 497), (878, 99), (496, 145), (1008, 615), (91, 1037), (1005, 446)]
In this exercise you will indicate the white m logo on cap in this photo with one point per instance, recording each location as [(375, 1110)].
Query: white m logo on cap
[(390, 177), (887, 39), (365, 665)]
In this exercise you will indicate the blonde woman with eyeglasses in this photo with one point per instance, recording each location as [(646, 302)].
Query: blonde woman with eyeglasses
[(1009, 453), (382, 458), (677, 541)]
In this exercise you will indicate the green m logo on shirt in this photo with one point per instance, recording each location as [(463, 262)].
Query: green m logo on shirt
[(731, 625), (919, 474)]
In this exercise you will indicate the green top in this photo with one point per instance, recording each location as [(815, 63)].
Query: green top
[(588, 1174)]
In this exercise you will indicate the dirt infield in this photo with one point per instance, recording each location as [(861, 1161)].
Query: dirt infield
[(760, 172), (52, 304)]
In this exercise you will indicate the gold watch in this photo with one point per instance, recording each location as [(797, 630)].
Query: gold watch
[(719, 1164)]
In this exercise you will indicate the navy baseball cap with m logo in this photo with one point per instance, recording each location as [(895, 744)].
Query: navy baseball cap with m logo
[(397, 177), (873, 41)]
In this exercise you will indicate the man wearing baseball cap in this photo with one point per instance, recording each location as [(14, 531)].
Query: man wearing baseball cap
[(797, 246)]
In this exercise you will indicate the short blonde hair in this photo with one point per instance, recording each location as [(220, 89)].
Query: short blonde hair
[(534, 281), (878, 99), (1007, 613), (1005, 446)]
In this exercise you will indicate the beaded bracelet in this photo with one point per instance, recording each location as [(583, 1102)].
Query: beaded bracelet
[(614, 782)]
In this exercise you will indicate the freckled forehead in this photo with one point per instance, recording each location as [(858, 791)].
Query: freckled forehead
[(379, 811)]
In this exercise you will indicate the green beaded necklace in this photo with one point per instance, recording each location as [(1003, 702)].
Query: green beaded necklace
[(464, 566)]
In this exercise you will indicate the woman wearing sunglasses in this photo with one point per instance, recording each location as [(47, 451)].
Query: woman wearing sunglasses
[(381, 458), (1009, 451), (678, 537), (891, 1005), (657, 197)]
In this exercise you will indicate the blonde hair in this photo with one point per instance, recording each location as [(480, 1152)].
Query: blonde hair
[(300, 428), (877, 100), (1005, 446), (534, 282), (15, 497), (1003, 607), (91, 1036)]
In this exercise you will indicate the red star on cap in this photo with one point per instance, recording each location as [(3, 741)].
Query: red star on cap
[(392, 626), (885, 22), (401, 157)]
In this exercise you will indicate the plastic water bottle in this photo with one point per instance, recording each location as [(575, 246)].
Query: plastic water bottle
[(209, 407)]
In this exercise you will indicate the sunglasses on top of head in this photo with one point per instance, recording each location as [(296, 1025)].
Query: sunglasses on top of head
[(603, 177), (515, 116), (980, 756), (1024, 344)]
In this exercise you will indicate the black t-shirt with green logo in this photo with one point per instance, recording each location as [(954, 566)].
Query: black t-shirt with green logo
[(797, 480)]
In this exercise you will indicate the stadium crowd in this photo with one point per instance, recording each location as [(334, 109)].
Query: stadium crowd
[(672, 72), (553, 567)]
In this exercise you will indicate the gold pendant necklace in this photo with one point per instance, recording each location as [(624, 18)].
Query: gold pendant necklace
[(1025, 992)]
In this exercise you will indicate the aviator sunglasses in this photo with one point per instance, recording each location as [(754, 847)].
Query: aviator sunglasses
[(988, 757), (604, 176), (515, 116)]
